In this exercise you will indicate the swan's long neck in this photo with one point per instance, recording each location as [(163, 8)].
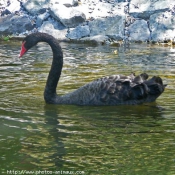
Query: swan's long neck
[(55, 71)]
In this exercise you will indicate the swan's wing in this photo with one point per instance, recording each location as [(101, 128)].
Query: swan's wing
[(116, 90), (119, 89)]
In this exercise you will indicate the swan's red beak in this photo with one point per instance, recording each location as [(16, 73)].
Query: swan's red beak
[(23, 50)]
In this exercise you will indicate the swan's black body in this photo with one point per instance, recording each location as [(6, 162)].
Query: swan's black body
[(112, 90)]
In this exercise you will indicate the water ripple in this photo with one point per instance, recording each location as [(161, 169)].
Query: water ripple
[(97, 140)]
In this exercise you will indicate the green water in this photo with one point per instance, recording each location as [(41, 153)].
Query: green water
[(37, 138)]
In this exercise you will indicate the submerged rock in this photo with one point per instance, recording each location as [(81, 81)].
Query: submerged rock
[(98, 39), (79, 32)]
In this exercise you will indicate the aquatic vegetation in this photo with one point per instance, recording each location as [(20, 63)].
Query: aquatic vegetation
[(5, 38)]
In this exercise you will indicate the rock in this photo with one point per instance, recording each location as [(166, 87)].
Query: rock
[(139, 31), (5, 12), (79, 32), (5, 24), (119, 9), (96, 9), (14, 6), (101, 10), (8, 7), (34, 6), (69, 3), (162, 26), (115, 37), (14, 24), (98, 39), (85, 9), (71, 18), (121, 1), (144, 8), (55, 29), (41, 18), (98, 21), (41, 11), (107, 26)]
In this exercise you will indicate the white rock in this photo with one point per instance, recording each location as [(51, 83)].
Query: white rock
[(102, 10), (144, 8), (71, 18), (34, 6), (119, 9), (162, 26), (85, 9), (149, 5), (14, 6), (48, 27)]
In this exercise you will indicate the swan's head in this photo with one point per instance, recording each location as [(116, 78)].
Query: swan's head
[(28, 42)]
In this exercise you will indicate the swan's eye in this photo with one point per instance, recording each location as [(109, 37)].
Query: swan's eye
[(23, 49)]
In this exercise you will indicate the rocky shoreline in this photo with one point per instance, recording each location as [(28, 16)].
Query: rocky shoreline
[(99, 21)]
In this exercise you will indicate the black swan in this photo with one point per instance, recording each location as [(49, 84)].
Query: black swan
[(111, 90)]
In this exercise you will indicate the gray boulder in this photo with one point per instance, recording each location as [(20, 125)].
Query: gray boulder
[(79, 32), (55, 29), (34, 6), (162, 26), (14, 24), (5, 12), (139, 31), (144, 8), (41, 18), (69, 17), (107, 26)]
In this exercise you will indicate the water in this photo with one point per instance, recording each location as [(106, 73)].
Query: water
[(36, 137)]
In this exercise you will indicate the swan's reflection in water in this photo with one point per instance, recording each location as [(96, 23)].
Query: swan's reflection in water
[(74, 137)]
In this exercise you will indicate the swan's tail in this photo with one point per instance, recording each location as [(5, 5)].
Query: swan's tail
[(148, 89), (130, 90)]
